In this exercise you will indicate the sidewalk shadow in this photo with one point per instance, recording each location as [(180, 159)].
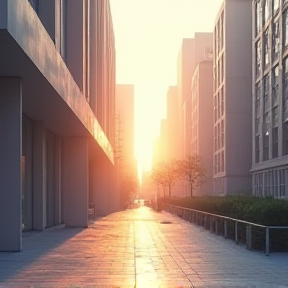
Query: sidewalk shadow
[(35, 245)]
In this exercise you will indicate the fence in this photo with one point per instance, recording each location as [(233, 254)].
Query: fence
[(254, 236)]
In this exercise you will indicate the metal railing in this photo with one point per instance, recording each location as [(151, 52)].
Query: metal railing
[(254, 236)]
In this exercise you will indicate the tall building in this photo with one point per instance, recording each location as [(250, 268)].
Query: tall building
[(202, 122), (232, 97), (270, 98), (57, 81), (172, 116), (124, 110), (192, 51)]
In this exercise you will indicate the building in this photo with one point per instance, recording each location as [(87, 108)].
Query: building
[(57, 81), (270, 98), (192, 51), (172, 117), (232, 97), (124, 107), (202, 122)]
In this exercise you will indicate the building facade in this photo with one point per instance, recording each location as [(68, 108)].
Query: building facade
[(57, 81), (192, 51), (232, 97), (202, 122), (270, 98)]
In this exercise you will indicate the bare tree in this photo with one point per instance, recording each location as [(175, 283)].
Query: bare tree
[(193, 170)]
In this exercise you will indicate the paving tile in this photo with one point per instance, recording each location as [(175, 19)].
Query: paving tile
[(133, 247)]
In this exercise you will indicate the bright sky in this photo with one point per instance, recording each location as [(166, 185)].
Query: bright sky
[(148, 35)]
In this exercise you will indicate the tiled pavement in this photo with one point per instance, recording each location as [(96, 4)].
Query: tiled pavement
[(134, 249)]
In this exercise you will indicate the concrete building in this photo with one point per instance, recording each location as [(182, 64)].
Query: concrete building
[(202, 122), (232, 97), (124, 107), (173, 133), (57, 81), (270, 98), (192, 51)]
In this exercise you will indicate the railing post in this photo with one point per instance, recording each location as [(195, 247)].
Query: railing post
[(211, 224), (216, 225), (249, 237), (267, 241), (236, 232), (225, 229)]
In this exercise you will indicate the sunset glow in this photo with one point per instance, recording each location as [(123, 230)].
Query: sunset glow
[(148, 36)]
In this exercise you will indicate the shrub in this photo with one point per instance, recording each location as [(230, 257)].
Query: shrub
[(265, 211)]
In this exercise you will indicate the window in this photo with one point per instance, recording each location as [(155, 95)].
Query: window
[(266, 184), (258, 58), (275, 142), (282, 182), (257, 149), (275, 5), (275, 116), (285, 138), (266, 136), (266, 93), (275, 85), (258, 16), (285, 90), (257, 100), (266, 48), (266, 11), (35, 5), (285, 28), (222, 101), (275, 40), (223, 161), (222, 133)]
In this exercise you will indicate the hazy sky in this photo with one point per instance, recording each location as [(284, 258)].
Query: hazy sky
[(148, 35)]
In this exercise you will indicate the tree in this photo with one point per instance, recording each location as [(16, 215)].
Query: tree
[(167, 174), (128, 188), (193, 170)]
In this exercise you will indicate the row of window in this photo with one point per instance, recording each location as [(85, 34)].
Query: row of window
[(219, 72), (265, 9), (270, 49), (271, 183), (219, 105), (219, 186), (219, 162), (219, 35)]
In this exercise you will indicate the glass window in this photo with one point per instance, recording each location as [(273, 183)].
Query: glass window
[(275, 6), (258, 16), (266, 147), (282, 183), (258, 58), (285, 28), (275, 40), (257, 149), (266, 11), (222, 133), (257, 100), (266, 48), (266, 93), (222, 101), (285, 138), (275, 116), (275, 85), (275, 142), (285, 90)]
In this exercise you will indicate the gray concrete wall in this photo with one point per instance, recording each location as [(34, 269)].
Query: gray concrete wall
[(10, 164), (39, 176), (75, 181)]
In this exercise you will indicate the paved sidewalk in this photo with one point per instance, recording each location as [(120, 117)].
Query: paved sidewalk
[(134, 249)]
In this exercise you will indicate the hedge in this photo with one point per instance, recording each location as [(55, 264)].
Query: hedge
[(266, 211)]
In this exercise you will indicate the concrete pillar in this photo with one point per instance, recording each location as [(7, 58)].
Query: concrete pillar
[(39, 176), (10, 164), (75, 179), (101, 186), (114, 195)]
